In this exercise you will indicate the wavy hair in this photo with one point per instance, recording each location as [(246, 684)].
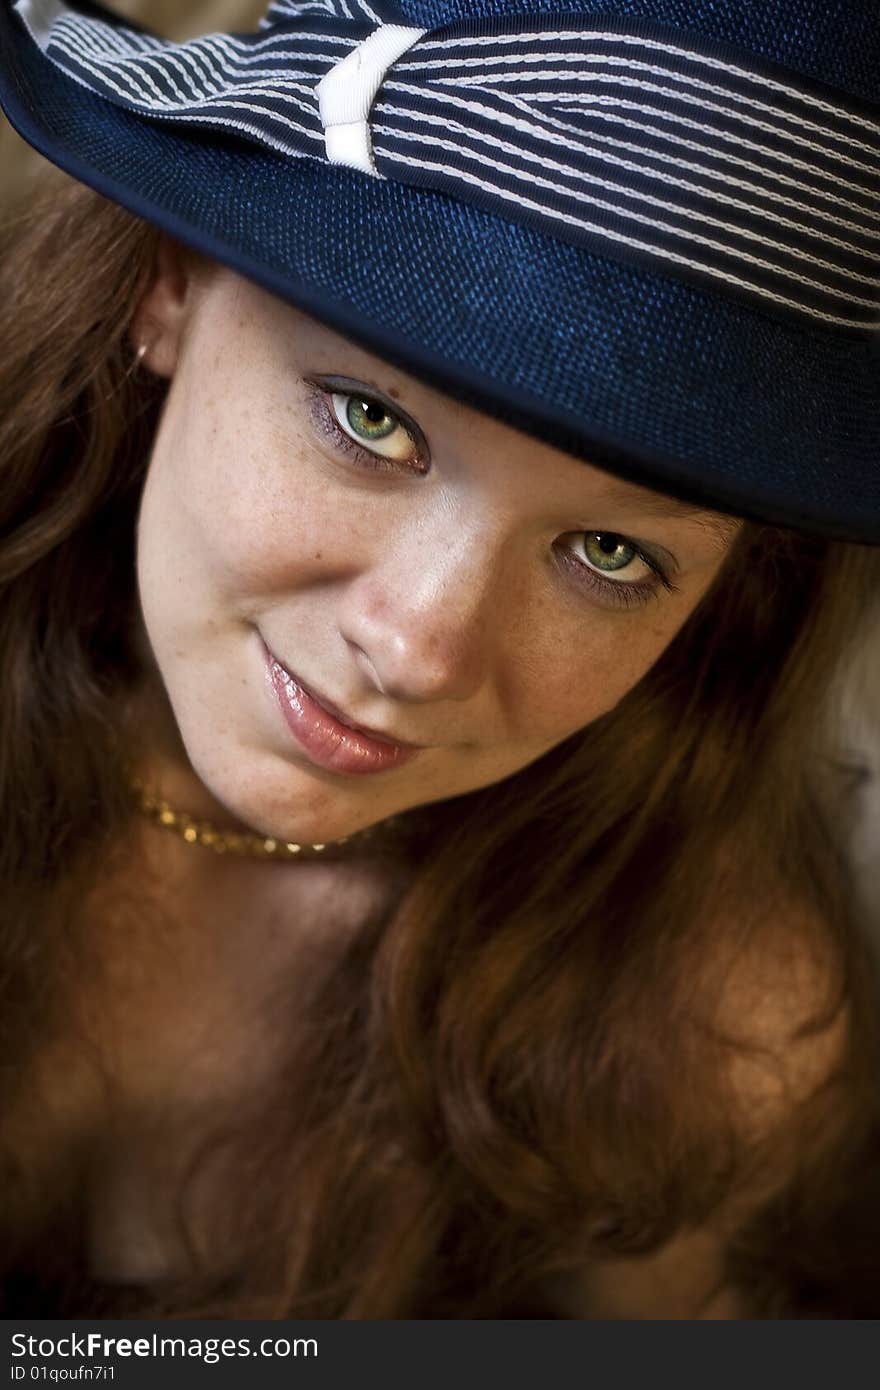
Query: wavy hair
[(521, 1068)]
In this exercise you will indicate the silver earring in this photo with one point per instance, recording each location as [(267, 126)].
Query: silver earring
[(141, 353)]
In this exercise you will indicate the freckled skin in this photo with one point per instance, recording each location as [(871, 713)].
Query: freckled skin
[(432, 607)]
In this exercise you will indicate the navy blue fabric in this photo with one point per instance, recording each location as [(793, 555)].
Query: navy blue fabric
[(669, 385), (834, 41), (624, 189), (687, 159)]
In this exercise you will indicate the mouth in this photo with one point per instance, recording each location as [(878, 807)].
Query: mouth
[(325, 734), (342, 718)]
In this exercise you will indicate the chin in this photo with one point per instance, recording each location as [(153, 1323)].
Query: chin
[(283, 802)]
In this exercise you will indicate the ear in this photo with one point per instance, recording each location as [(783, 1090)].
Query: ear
[(160, 319)]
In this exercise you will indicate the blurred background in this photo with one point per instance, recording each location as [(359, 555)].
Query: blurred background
[(857, 715)]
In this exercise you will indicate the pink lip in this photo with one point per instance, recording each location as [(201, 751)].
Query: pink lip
[(329, 742)]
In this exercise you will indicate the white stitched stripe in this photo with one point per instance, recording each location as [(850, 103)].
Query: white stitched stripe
[(163, 107), (272, 80), (686, 79), (632, 66), (692, 56), (600, 79), (690, 236), (171, 113), (735, 161), (613, 104), (548, 129), (628, 241), (782, 156), (445, 122)]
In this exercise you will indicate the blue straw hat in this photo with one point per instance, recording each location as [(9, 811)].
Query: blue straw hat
[(646, 232)]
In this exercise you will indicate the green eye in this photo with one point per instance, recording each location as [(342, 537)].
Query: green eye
[(370, 419), (603, 561), (369, 425), (608, 551)]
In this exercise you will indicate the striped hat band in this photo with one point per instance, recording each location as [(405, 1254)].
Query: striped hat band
[(627, 138)]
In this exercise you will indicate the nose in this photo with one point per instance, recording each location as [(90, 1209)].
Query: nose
[(424, 619)]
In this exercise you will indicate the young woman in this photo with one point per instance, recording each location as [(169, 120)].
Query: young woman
[(422, 872)]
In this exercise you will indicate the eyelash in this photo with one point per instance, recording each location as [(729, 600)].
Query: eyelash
[(321, 397), (622, 593), (626, 593)]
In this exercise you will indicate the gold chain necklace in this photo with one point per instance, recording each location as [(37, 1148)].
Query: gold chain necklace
[(247, 843)]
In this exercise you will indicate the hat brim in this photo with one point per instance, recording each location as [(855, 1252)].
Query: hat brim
[(666, 384)]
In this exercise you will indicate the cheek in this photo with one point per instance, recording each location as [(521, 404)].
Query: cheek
[(576, 681), (232, 518)]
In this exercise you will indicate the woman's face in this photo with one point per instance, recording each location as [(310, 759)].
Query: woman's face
[(428, 572)]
